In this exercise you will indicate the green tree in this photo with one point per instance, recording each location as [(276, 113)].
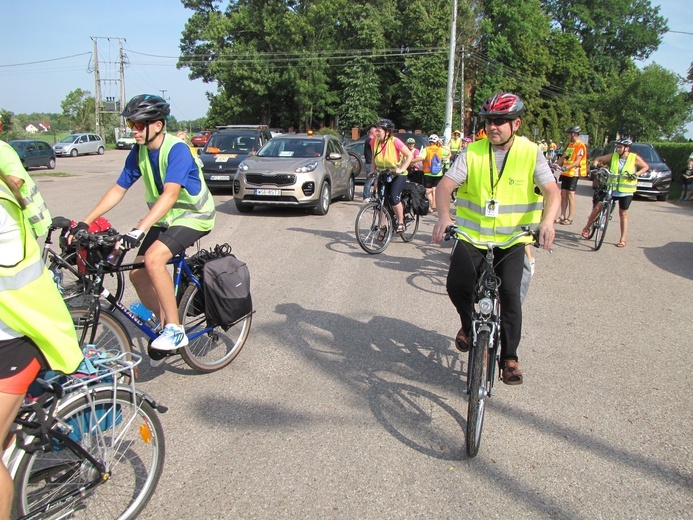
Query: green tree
[(78, 106)]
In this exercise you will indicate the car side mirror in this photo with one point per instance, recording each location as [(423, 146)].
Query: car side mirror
[(334, 156)]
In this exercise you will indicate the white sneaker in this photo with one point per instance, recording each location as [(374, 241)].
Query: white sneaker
[(531, 267), (171, 338), (366, 200)]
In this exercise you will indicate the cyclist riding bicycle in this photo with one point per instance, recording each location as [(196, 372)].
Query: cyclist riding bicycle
[(390, 153), (496, 176), (181, 209), (36, 329), (625, 162)]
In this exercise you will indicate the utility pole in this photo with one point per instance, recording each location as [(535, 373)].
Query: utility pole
[(451, 74), (113, 73), (163, 95), (462, 91), (97, 88)]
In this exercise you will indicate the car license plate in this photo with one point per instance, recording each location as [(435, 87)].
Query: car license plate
[(220, 178), (268, 192), (642, 184)]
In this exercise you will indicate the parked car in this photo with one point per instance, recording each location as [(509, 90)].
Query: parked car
[(357, 146), (34, 153), (226, 148), (126, 141), (656, 182), (295, 170), (200, 138), (80, 144)]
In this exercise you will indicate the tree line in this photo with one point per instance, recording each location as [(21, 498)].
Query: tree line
[(344, 63)]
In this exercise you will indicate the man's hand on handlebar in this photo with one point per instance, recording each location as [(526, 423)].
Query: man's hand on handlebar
[(80, 226), (132, 239)]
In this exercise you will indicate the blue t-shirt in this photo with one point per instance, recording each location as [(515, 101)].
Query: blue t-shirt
[(182, 169)]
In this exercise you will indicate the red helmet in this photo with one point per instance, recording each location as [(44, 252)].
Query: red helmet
[(504, 105)]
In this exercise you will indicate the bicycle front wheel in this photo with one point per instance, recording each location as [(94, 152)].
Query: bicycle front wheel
[(215, 348), (123, 432), (373, 228), (602, 224), (476, 374), (107, 334)]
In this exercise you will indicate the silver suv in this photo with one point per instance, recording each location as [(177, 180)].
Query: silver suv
[(80, 144)]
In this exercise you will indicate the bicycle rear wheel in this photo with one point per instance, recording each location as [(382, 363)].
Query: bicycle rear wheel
[(411, 223), (602, 224), (476, 374), (371, 222), (123, 432), (216, 348)]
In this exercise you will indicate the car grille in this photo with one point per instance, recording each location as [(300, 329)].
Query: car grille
[(277, 180)]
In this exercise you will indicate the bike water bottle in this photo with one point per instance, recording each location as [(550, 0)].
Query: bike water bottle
[(144, 314), (112, 259)]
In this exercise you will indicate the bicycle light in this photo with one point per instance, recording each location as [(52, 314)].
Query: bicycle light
[(485, 306)]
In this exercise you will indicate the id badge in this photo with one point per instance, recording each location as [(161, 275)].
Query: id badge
[(491, 208)]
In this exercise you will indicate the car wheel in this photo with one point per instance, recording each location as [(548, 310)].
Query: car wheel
[(101, 150), (73, 152), (51, 164), (243, 208), (350, 189), (324, 201)]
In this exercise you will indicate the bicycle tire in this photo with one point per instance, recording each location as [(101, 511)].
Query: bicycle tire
[(367, 228), (476, 374), (111, 334), (603, 223), (130, 443), (411, 223), (73, 288), (213, 350)]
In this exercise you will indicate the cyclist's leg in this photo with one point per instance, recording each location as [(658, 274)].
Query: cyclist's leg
[(18, 368), (395, 195), (509, 264), (623, 205), (140, 278), (464, 270)]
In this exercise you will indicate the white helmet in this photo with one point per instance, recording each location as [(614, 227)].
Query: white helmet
[(433, 138)]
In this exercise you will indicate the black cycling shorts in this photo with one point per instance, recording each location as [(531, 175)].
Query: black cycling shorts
[(431, 182), (568, 183), (176, 238)]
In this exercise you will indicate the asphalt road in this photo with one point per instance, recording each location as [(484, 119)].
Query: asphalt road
[(347, 401)]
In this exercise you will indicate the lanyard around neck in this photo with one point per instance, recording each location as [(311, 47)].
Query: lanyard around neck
[(490, 169)]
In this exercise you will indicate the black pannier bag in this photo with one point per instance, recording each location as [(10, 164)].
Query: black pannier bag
[(417, 194), (225, 283)]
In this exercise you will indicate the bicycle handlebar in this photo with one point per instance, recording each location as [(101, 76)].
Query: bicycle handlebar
[(452, 230)]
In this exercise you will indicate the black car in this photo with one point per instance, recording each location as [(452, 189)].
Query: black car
[(225, 150), (656, 182), (34, 153), (357, 146)]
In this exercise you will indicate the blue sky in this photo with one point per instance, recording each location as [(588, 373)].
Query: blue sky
[(154, 27)]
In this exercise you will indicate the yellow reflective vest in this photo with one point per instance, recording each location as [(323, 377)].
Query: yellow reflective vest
[(517, 204), (30, 303), (193, 211), (625, 185)]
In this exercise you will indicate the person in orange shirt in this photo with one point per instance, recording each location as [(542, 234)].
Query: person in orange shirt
[(573, 164)]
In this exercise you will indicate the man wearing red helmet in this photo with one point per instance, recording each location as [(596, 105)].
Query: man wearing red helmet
[(496, 176)]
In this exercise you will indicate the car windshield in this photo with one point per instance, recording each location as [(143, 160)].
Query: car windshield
[(230, 143), (127, 135), (297, 148), (69, 138), (647, 153)]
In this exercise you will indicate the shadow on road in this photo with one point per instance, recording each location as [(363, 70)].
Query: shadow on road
[(674, 257)]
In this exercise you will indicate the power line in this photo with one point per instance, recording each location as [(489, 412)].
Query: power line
[(46, 61)]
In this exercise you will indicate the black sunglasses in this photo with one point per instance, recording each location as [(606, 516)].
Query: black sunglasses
[(497, 121)]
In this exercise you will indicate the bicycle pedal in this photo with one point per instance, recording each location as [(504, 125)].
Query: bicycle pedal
[(157, 355)]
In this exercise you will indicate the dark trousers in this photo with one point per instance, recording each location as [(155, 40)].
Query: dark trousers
[(465, 266)]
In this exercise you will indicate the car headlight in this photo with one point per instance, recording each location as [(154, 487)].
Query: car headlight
[(243, 167), (660, 173), (307, 168)]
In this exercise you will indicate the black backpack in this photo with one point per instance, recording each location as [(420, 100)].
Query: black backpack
[(417, 197)]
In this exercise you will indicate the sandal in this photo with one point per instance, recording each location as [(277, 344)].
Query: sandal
[(512, 375), (586, 233), (621, 243), (381, 234), (559, 220), (461, 341), (567, 221), (399, 228)]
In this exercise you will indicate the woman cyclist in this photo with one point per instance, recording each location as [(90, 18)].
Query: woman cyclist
[(390, 153)]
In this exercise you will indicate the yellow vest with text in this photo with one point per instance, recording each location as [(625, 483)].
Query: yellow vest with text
[(518, 204), (30, 303), (194, 211), (625, 185)]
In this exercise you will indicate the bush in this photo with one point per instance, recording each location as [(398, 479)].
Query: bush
[(676, 156)]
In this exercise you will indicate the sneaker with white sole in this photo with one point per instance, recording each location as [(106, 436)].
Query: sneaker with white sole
[(171, 338)]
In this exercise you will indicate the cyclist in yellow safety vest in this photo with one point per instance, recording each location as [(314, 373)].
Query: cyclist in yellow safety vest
[(34, 207), (496, 197), (625, 162), (181, 210), (36, 329), (455, 144)]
